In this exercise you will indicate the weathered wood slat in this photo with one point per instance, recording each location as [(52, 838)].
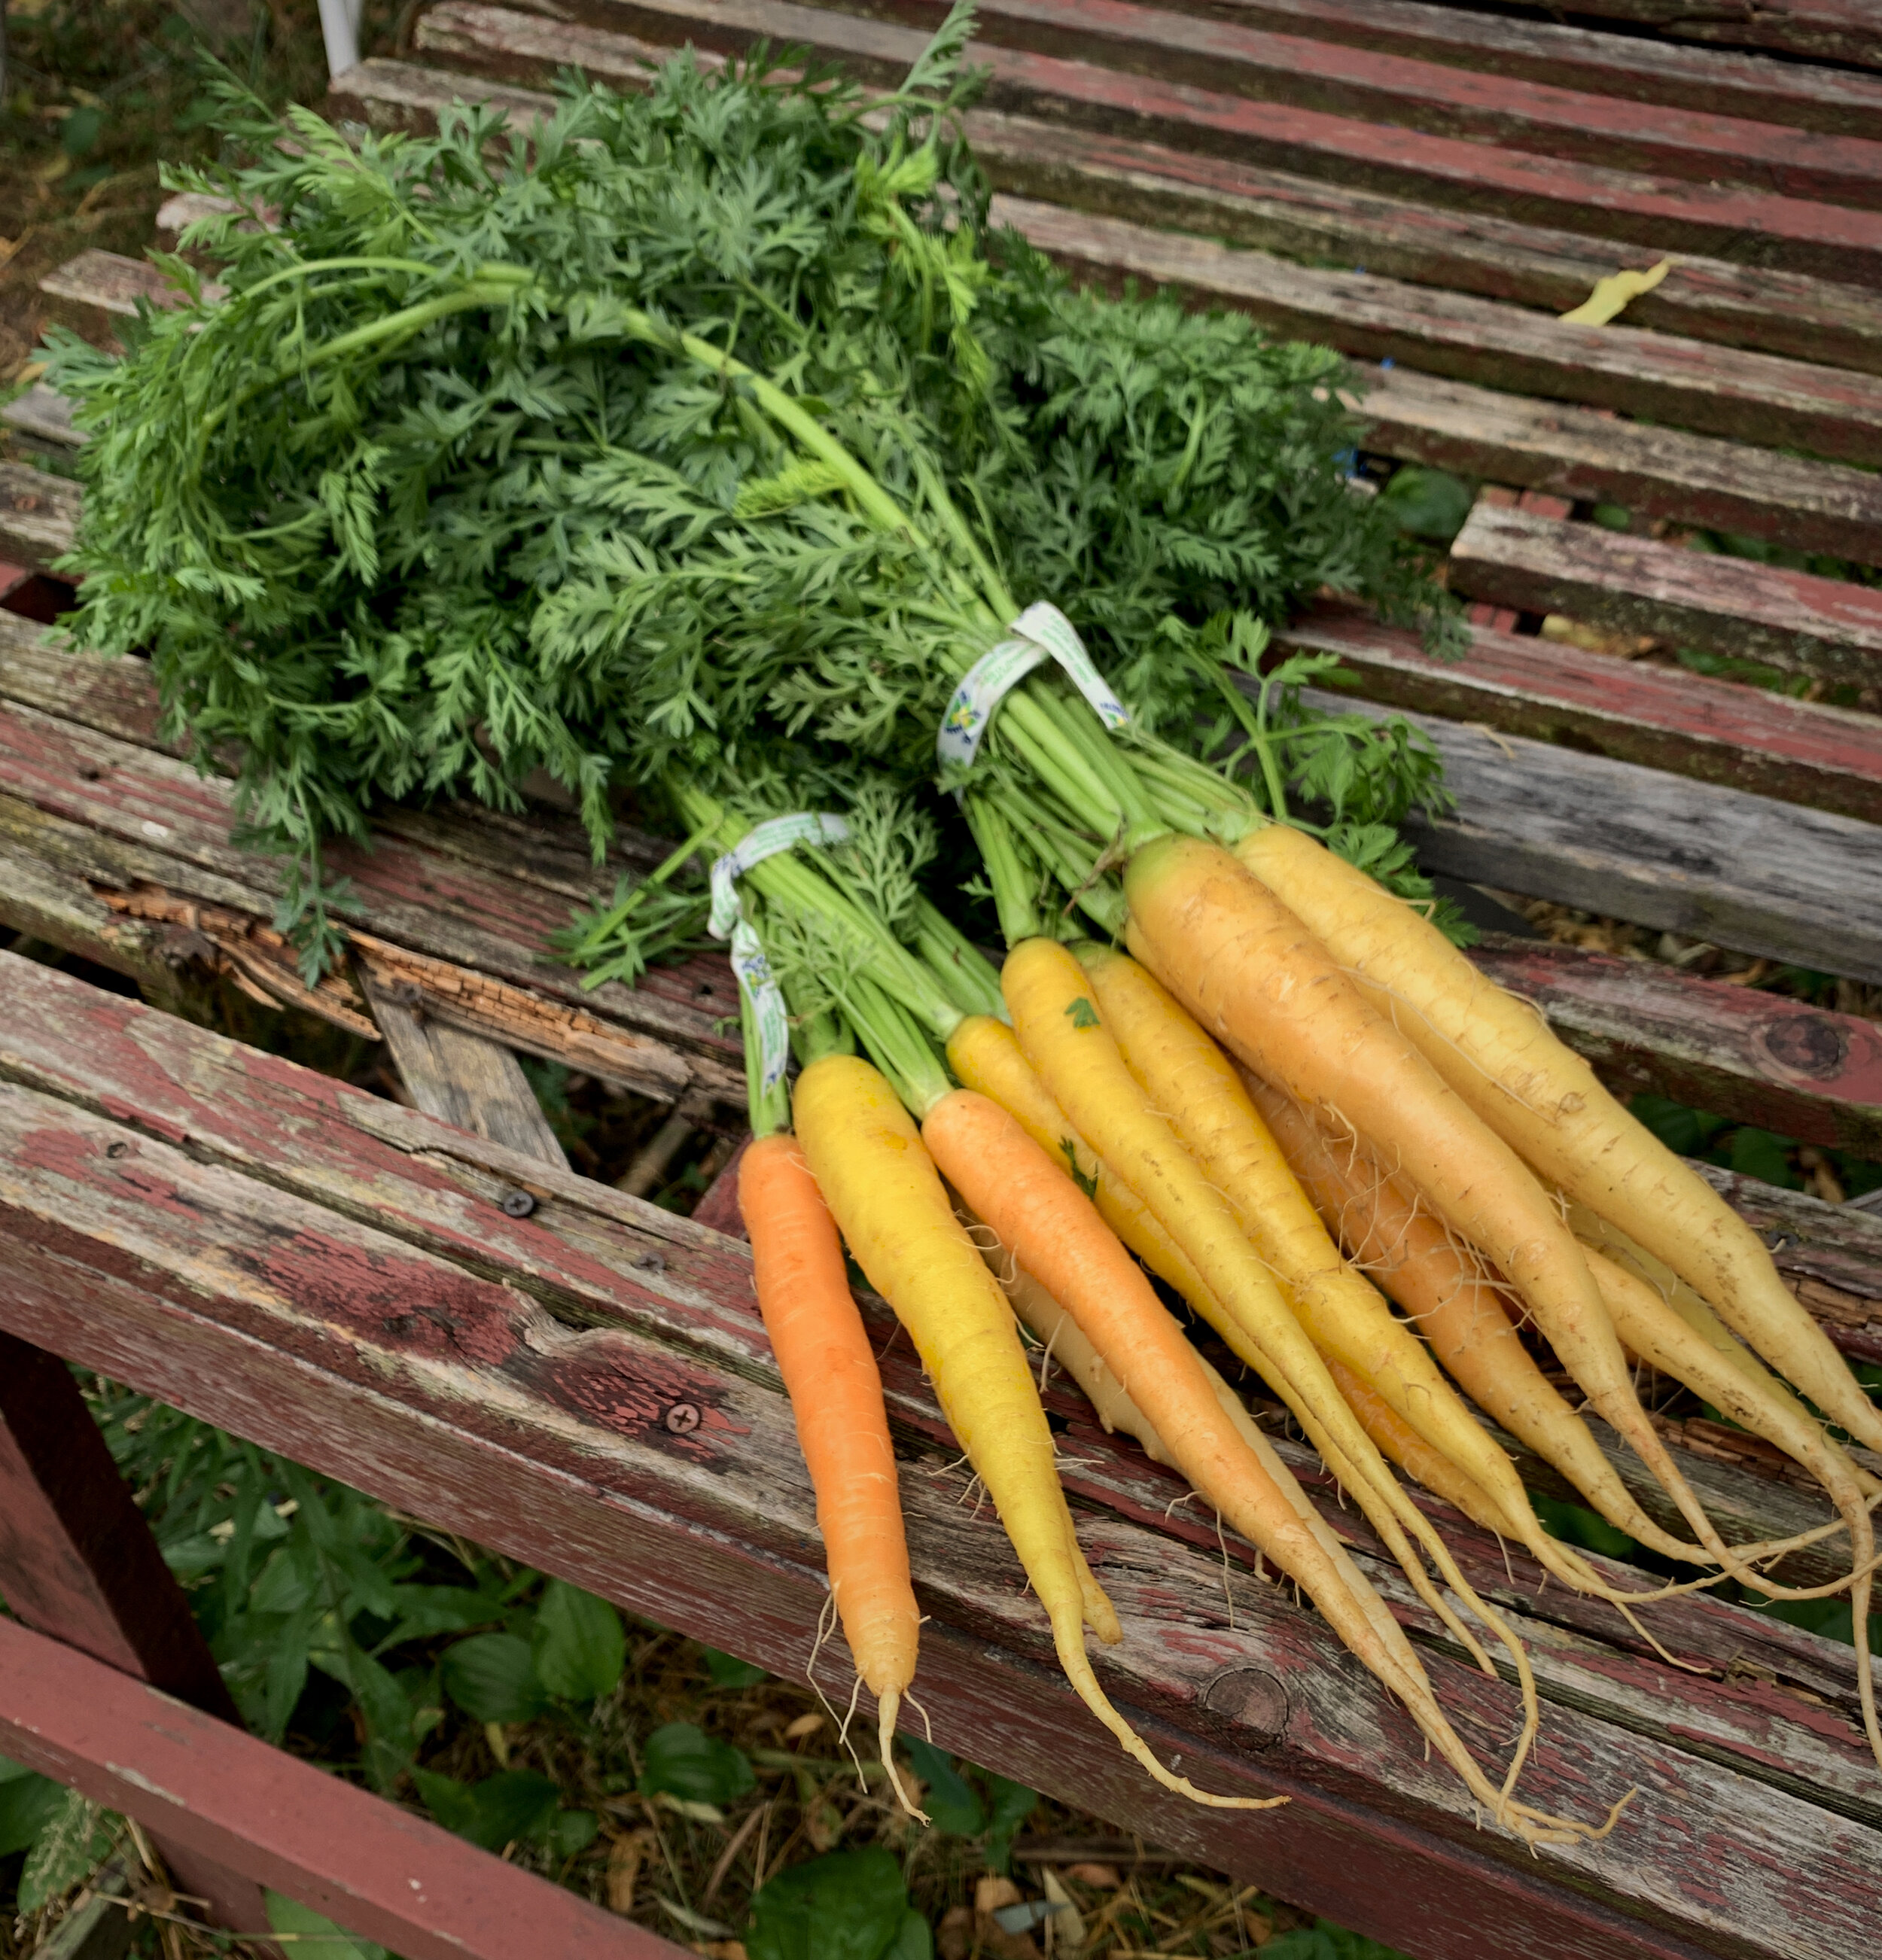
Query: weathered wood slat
[(459, 1078), (60, 862), (1790, 619), (1667, 718), (1761, 397), (41, 413), (1245, 204), (372, 1867), (39, 514), (1585, 455), (1494, 254), (1800, 885), (1359, 73), (1635, 66), (1833, 241), (1835, 31), (1757, 1058), (95, 292), (463, 913), (427, 1384), (235, 1109)]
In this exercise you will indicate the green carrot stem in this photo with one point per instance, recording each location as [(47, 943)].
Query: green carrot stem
[(971, 980), (785, 880), (1006, 871), (897, 1044)]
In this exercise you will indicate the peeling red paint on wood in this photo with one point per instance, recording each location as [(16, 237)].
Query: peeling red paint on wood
[(1667, 718), (1296, 62), (572, 1457), (1728, 221), (375, 1868)]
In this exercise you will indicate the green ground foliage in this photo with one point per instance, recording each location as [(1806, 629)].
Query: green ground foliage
[(655, 1775)]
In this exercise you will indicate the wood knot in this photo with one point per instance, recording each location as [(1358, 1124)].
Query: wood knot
[(1251, 1698), (120, 1149), (683, 1418), (1806, 1044)]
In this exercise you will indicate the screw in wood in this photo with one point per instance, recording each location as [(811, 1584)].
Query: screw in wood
[(647, 1262), (516, 1204), (683, 1418)]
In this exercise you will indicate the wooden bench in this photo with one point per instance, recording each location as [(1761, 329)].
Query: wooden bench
[(429, 1304)]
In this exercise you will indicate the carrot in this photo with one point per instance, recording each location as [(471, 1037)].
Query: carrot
[(1062, 1034), (843, 1427), (1056, 1233), (986, 1056), (1386, 1375), (1498, 1055), (1456, 1305), (887, 1197), (1661, 1338), (1253, 975)]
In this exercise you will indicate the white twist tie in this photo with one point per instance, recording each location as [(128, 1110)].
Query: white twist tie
[(1041, 633), (752, 969)]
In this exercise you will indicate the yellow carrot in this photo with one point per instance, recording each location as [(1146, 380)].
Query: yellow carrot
[(1454, 1303), (1387, 1376), (1063, 1035), (1498, 1055), (1257, 980), (884, 1192), (1055, 1232)]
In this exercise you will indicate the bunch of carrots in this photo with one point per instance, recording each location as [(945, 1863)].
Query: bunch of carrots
[(790, 474), (1295, 1103)]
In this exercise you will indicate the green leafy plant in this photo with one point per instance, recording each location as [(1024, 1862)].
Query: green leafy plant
[(849, 1905), (681, 1760)]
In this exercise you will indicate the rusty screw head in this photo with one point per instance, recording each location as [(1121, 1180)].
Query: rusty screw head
[(516, 1204), (683, 1418)]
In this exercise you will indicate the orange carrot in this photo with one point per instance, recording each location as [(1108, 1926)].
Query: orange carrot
[(843, 1427)]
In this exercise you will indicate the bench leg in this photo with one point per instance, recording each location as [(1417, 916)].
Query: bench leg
[(78, 1562)]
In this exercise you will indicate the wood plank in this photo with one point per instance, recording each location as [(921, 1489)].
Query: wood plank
[(374, 1868), (1664, 718), (39, 514), (444, 1192), (1825, 627), (96, 292), (468, 916), (527, 1436), (78, 1563), (1833, 30), (1246, 204), (1763, 398), (1641, 68), (1800, 885), (1496, 255), (1757, 227), (460, 1078), (1751, 1056), (41, 412), (1284, 55), (1583, 455)]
